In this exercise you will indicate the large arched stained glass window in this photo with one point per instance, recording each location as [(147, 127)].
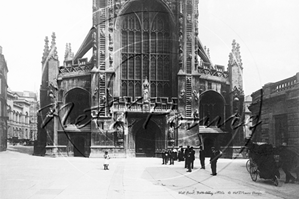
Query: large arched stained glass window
[(146, 50)]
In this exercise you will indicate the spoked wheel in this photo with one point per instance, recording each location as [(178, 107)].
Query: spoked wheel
[(248, 165), (253, 172), (276, 181)]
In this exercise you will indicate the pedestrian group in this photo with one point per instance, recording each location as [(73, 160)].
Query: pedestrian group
[(188, 156)]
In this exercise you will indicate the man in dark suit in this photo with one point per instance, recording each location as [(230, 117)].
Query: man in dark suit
[(171, 157), (215, 155), (202, 157), (163, 156), (192, 157), (189, 159), (186, 156), (166, 155), (180, 154)]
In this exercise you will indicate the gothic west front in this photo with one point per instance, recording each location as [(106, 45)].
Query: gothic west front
[(144, 88)]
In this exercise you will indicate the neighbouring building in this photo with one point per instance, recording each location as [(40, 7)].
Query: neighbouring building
[(32, 98), (149, 84), (22, 112), (3, 102), (277, 105)]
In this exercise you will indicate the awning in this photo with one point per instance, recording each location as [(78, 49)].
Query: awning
[(210, 130)]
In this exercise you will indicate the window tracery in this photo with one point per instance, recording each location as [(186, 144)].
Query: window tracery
[(146, 53)]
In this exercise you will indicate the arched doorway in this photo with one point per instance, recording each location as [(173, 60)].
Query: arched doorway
[(79, 146), (211, 106), (212, 114), (145, 139), (79, 100)]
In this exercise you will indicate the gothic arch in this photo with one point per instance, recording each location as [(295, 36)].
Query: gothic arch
[(127, 6), (80, 98), (146, 138), (212, 105), (145, 48), (80, 88)]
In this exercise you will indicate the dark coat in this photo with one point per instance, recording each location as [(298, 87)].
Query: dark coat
[(180, 154), (215, 155), (192, 154)]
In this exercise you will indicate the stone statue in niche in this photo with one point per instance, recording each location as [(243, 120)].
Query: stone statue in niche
[(146, 89), (119, 133), (189, 18), (171, 134), (196, 95), (182, 93), (110, 60), (196, 115), (119, 130)]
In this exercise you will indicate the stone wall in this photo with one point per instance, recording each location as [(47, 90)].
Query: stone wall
[(279, 99)]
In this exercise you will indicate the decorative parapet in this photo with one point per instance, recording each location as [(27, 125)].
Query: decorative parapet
[(285, 85), (154, 105), (216, 71), (81, 67), (278, 88)]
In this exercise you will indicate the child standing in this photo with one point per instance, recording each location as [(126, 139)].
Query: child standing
[(106, 160)]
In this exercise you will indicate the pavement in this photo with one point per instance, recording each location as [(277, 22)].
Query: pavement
[(24, 176)]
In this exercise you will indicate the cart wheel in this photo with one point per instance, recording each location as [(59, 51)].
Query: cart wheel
[(253, 172), (276, 182), (248, 165)]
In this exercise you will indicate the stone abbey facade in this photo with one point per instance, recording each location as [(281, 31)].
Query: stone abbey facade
[(149, 85)]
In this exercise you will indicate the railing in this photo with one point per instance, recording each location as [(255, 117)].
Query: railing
[(284, 84)]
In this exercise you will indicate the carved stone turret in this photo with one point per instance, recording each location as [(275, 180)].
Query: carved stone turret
[(235, 68), (48, 88), (53, 50), (69, 55), (46, 50), (235, 55)]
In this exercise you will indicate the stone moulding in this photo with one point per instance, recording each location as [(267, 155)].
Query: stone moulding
[(75, 70)]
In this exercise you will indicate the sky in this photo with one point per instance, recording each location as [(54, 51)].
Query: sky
[(267, 31)]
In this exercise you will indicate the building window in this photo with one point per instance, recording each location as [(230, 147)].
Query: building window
[(146, 51)]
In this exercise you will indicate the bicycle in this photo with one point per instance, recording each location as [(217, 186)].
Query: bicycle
[(249, 163)]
